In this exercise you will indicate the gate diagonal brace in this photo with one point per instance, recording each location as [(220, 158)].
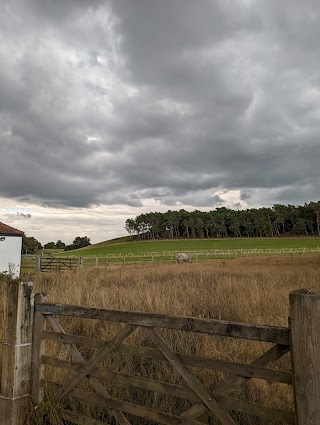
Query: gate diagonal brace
[(236, 381), (208, 400), (46, 265), (77, 356)]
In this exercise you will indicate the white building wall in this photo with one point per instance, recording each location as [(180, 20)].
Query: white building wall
[(10, 255)]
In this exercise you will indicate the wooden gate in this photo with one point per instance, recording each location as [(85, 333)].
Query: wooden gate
[(51, 263), (62, 378), (86, 365)]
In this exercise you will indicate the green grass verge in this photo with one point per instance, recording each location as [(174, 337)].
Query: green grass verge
[(136, 248)]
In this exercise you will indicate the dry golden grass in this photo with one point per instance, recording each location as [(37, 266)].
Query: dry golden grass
[(253, 290)]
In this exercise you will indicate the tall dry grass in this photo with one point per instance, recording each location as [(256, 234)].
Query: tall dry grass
[(253, 290)]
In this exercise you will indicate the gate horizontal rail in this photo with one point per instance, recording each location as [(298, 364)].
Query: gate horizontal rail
[(248, 371), (279, 335)]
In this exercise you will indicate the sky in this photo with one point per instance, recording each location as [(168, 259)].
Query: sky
[(109, 109)]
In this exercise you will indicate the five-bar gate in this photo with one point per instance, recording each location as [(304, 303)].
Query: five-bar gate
[(89, 376)]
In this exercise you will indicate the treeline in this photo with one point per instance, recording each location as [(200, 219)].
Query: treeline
[(78, 242), (280, 220), (30, 245)]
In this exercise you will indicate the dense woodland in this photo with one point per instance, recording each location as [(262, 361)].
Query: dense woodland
[(280, 220)]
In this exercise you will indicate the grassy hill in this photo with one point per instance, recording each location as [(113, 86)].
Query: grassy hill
[(123, 246)]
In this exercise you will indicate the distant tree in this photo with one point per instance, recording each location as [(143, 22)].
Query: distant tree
[(50, 245), (130, 226), (281, 217), (316, 209), (235, 223), (30, 245), (300, 226), (59, 244), (70, 247), (81, 242)]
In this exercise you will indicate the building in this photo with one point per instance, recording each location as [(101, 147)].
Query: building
[(10, 250)]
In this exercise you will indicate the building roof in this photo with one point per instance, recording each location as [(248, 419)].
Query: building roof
[(10, 231)]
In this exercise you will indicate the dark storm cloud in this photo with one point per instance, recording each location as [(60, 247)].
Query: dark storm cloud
[(104, 103)]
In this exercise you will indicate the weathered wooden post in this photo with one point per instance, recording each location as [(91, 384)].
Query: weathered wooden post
[(80, 263), (16, 363), (305, 348), (38, 349), (38, 263)]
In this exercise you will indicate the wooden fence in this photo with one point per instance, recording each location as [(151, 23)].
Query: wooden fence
[(63, 263), (26, 360)]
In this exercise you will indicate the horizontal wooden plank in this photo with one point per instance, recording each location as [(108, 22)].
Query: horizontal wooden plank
[(230, 403), (58, 262), (249, 408), (247, 371), (127, 380), (236, 381), (48, 265), (162, 387), (133, 409), (61, 259), (209, 326), (56, 267)]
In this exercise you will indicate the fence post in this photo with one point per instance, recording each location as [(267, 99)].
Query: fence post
[(80, 263), (16, 363), (305, 348), (38, 263), (38, 349)]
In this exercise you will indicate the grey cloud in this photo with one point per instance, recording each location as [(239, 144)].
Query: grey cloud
[(22, 215), (11, 217), (217, 199), (117, 102), (296, 195), (244, 196), (201, 199), (156, 36)]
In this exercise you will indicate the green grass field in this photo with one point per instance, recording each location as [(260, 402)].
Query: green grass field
[(136, 248)]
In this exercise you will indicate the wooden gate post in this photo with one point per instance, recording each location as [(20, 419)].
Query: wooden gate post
[(38, 263), (16, 363), (80, 263), (305, 348), (38, 349)]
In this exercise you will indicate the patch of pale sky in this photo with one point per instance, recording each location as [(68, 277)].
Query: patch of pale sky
[(232, 199), (50, 224)]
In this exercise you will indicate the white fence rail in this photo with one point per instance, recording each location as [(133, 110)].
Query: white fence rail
[(170, 256)]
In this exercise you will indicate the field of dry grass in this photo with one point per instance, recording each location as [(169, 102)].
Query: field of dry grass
[(253, 290)]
